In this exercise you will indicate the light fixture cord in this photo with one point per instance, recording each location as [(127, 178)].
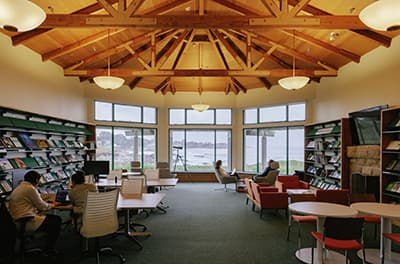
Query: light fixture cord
[(108, 47), (294, 55)]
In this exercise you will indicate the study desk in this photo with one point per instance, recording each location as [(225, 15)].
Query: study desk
[(321, 210), (162, 182), (387, 212), (148, 201)]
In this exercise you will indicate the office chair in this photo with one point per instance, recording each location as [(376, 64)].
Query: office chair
[(164, 170), (100, 219), (133, 188), (342, 234)]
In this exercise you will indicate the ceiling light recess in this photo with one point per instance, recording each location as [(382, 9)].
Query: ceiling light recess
[(20, 15), (382, 15)]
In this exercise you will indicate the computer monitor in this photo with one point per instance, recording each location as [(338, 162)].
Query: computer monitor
[(17, 177), (96, 167)]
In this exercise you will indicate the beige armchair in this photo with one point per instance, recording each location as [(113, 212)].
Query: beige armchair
[(224, 179), (271, 176), (136, 167)]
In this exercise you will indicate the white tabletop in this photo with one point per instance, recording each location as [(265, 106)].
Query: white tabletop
[(322, 209), (148, 201), (162, 182), (381, 209)]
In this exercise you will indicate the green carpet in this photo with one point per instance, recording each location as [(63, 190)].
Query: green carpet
[(202, 226)]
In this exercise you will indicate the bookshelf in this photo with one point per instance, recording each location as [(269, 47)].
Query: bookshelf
[(326, 165), (390, 155), (54, 147)]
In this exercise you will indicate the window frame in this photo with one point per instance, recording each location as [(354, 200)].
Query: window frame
[(186, 123), (274, 122)]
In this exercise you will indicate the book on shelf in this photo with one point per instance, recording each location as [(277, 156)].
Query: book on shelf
[(396, 187), (59, 143), (27, 140), (48, 177), (311, 144), (16, 142), (5, 164), (51, 143), (69, 143), (391, 165), (8, 142), (41, 143), (39, 160), (323, 131), (30, 162), (393, 145), (389, 186), (6, 185), (396, 167), (17, 163)]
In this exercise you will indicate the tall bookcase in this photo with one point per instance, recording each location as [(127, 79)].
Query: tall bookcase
[(326, 165), (390, 155), (54, 147)]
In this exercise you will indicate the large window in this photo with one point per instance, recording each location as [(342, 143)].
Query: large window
[(197, 149), (282, 144), (121, 145), (192, 117), (105, 111), (277, 113)]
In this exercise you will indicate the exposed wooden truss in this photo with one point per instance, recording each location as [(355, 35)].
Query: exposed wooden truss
[(247, 44)]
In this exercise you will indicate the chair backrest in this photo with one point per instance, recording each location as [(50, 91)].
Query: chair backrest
[(302, 197), (348, 228), (274, 165), (151, 174), (132, 187), (248, 182), (362, 197), (271, 177), (100, 214), (136, 167), (334, 196), (164, 170), (113, 174), (8, 232)]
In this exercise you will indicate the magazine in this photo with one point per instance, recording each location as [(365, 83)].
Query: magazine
[(5, 165)]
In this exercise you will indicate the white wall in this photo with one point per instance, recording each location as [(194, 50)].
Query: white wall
[(31, 85), (374, 81)]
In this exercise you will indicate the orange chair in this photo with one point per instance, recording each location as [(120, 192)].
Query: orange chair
[(341, 234), (334, 196), (393, 237), (284, 183), (249, 195), (269, 198), (300, 219)]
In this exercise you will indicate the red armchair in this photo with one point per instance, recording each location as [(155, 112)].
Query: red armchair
[(334, 196), (284, 183), (269, 198)]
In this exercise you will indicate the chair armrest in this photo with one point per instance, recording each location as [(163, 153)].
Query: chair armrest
[(280, 185), (268, 189), (274, 200), (304, 185)]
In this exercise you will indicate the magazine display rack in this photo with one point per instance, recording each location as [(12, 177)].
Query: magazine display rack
[(390, 155), (53, 147), (325, 164)]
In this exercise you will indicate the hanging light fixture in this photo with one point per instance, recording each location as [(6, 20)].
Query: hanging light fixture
[(20, 15), (108, 82), (293, 82), (200, 107), (382, 15)]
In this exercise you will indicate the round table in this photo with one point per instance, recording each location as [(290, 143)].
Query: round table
[(387, 212), (321, 210)]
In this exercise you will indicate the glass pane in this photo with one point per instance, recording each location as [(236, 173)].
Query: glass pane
[(223, 148), (103, 143), (273, 145), (103, 111), (149, 115), (296, 149), (250, 116), (177, 150), (176, 116), (127, 147), (297, 112), (250, 150), (149, 148), (127, 113), (273, 114), (199, 150), (223, 116), (194, 117)]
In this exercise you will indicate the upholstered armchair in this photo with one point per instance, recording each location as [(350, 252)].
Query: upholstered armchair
[(269, 198), (284, 183), (270, 178), (224, 179)]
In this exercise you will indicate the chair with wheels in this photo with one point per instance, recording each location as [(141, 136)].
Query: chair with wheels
[(136, 167), (100, 219), (164, 170), (342, 234)]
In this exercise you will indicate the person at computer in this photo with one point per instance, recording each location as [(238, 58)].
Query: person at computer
[(25, 201), (221, 171), (265, 171), (77, 192)]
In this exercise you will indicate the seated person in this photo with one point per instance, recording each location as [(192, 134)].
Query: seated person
[(221, 171), (78, 189), (25, 201), (266, 170)]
